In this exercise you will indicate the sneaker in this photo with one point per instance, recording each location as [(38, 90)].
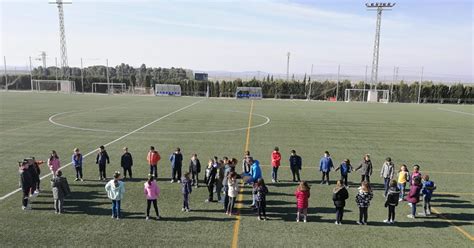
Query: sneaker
[(322, 182), (304, 220), (297, 220), (392, 222), (359, 223), (188, 210), (207, 200), (24, 208), (400, 199), (183, 209), (258, 218), (428, 212), (364, 223), (82, 180), (411, 216), (77, 179), (147, 218), (172, 181), (327, 183), (118, 218), (179, 181), (340, 223), (158, 217), (386, 221), (273, 180), (410, 204), (113, 216), (337, 223)]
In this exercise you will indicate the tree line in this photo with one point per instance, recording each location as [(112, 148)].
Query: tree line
[(147, 77)]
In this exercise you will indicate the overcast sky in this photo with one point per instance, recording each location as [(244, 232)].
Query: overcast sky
[(244, 35)]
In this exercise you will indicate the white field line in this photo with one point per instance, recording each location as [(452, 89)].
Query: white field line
[(113, 141), (455, 111)]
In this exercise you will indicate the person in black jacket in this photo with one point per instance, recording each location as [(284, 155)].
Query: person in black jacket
[(27, 183), (339, 197), (295, 165), (210, 178), (195, 169), (126, 163), (102, 159), (391, 201), (33, 170), (176, 160)]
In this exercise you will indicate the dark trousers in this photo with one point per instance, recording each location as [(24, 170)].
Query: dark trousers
[(195, 178), (129, 170), (275, 173), (363, 215), (210, 188), (116, 208), (339, 213), (325, 177), (344, 179), (153, 170), (386, 182), (24, 200), (226, 196), (391, 213), (176, 173), (261, 209), (230, 205), (102, 173), (186, 200), (295, 172), (219, 189), (365, 178), (413, 209), (155, 206), (78, 172)]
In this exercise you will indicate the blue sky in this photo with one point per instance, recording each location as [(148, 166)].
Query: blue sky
[(245, 35)]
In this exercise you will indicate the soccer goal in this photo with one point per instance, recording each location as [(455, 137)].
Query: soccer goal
[(109, 88), (62, 86), (248, 93), (366, 95), (167, 90)]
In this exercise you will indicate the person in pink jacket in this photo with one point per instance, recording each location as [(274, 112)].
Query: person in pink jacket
[(276, 158), (302, 197), (53, 163), (152, 192)]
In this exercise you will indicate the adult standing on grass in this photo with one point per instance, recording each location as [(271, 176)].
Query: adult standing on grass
[(255, 175), (195, 169), (153, 157), (246, 163), (176, 160), (276, 158), (365, 168), (387, 173), (53, 162), (102, 159), (210, 179), (77, 163), (126, 162), (295, 165), (115, 190), (325, 165)]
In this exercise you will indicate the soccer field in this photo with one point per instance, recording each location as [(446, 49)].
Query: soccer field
[(440, 138)]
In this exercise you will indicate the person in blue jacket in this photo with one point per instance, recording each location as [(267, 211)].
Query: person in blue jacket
[(176, 160), (255, 174), (325, 165), (345, 168)]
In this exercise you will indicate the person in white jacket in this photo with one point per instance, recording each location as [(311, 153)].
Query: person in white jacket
[(387, 173), (115, 190), (233, 191)]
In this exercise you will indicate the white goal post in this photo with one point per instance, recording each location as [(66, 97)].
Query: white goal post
[(109, 88), (366, 95), (63, 86), (167, 90), (248, 93)]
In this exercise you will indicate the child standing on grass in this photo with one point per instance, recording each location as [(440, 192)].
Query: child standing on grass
[(295, 165), (102, 159), (427, 191), (219, 178), (387, 173), (115, 190), (60, 188), (186, 190), (363, 199), (415, 173), (77, 163), (233, 190), (152, 158), (391, 201), (53, 163), (365, 168), (195, 169), (413, 196), (302, 194), (403, 177), (126, 162), (210, 179), (152, 192), (325, 165), (276, 158), (261, 192), (339, 197), (345, 168), (26, 181)]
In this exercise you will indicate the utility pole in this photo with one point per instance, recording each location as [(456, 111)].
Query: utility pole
[(337, 84), (31, 75), (421, 81), (62, 34), (107, 72), (5, 72), (365, 82), (379, 7), (82, 77), (288, 67)]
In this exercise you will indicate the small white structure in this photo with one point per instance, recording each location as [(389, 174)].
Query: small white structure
[(249, 93), (167, 90)]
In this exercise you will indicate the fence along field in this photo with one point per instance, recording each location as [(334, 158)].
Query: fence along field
[(439, 138)]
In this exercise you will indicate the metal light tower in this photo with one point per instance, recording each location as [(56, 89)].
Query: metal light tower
[(288, 66), (62, 32), (379, 7)]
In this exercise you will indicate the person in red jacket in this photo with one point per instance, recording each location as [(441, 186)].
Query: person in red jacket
[(302, 195), (276, 157), (153, 157)]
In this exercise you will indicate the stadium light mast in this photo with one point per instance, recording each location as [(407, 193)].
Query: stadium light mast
[(62, 32), (379, 7), (288, 67)]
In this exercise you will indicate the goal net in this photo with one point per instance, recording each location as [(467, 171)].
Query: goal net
[(366, 95), (63, 86), (248, 93), (109, 88), (167, 90)]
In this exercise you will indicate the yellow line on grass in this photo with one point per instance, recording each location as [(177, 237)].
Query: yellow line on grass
[(235, 237), (469, 236)]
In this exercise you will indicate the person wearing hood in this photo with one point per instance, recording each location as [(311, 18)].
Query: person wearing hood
[(339, 197), (53, 163), (115, 189), (391, 201), (152, 192), (387, 173), (255, 175)]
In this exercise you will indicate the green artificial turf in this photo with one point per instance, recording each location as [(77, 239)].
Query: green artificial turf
[(437, 137)]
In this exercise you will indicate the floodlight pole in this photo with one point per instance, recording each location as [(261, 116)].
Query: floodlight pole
[(62, 33), (5, 72), (82, 77), (31, 75), (288, 67), (421, 81), (56, 63), (365, 81), (379, 7), (107, 72), (337, 84)]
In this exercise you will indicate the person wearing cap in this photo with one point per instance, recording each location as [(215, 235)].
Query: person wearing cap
[(365, 168), (126, 162), (387, 173)]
